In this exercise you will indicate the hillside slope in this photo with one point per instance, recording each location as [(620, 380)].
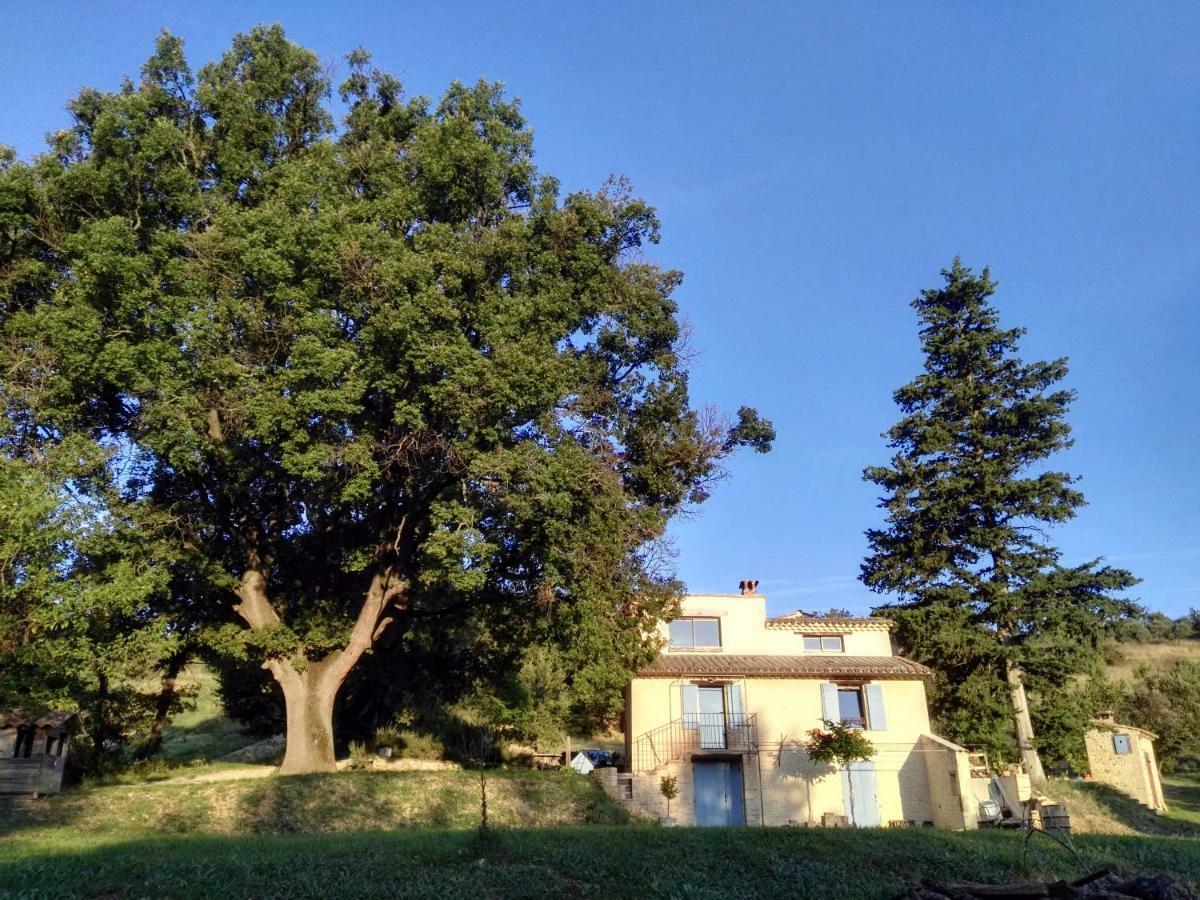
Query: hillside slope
[(323, 804), (1156, 655)]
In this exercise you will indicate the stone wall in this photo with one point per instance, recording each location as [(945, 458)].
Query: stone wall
[(1134, 773), (639, 792)]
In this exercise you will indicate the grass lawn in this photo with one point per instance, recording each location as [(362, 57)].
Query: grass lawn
[(1098, 808), (595, 861), (414, 834), (1182, 792), (203, 731)]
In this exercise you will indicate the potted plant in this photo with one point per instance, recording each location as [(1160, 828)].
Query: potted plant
[(669, 788), (841, 745)]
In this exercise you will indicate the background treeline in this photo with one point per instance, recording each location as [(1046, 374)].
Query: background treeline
[(1157, 627)]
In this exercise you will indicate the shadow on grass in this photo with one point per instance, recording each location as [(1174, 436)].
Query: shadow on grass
[(552, 862), (307, 804), (1124, 809), (317, 804)]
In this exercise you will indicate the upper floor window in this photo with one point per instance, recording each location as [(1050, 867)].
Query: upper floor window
[(691, 633), (829, 642), (854, 705), (851, 709)]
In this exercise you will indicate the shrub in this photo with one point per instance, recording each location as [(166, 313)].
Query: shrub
[(418, 745), (838, 744), (390, 735), (360, 756)]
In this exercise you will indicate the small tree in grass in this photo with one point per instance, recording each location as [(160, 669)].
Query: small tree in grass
[(840, 745), (669, 788)]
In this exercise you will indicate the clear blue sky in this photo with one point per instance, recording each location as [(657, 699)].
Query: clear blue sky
[(815, 165)]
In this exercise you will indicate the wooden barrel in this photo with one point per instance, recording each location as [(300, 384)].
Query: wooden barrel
[(1056, 818)]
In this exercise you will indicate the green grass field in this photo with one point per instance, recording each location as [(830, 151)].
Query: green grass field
[(554, 862), (374, 834), (202, 731), (1182, 793)]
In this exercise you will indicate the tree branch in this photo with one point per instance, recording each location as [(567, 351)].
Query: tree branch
[(255, 608)]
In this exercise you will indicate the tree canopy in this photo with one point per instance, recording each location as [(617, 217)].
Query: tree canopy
[(982, 596), (363, 379)]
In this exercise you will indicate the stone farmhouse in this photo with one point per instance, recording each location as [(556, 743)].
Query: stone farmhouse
[(727, 707)]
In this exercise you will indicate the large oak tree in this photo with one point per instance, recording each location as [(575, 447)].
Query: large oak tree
[(357, 374)]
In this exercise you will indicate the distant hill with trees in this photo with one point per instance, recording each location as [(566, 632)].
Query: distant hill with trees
[(1154, 668)]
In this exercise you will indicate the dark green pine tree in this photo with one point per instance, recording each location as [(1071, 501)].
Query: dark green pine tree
[(981, 595)]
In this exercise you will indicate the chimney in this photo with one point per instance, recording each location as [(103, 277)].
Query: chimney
[(1105, 715), (748, 588)]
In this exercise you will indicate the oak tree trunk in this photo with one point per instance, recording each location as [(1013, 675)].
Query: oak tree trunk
[(309, 697), (1023, 724), (310, 687)]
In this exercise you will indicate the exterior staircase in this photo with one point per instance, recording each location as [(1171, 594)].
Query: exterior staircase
[(666, 750)]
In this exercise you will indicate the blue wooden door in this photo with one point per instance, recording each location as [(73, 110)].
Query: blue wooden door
[(864, 813), (718, 788)]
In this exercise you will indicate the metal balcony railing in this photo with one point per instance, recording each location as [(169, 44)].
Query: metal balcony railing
[(695, 733)]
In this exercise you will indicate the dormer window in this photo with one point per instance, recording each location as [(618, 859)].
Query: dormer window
[(689, 634), (830, 643)]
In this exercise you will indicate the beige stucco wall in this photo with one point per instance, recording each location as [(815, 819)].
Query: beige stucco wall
[(952, 799), (786, 708), (1134, 773), (794, 789), (744, 630)]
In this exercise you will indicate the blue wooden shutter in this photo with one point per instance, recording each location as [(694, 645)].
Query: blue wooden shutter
[(876, 718), (829, 703), (691, 706), (734, 706)]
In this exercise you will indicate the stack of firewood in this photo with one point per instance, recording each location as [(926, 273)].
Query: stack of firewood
[(1105, 884)]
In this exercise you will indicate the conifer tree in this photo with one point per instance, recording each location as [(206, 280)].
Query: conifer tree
[(982, 595)]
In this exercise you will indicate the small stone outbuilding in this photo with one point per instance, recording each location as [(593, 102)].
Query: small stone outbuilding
[(1122, 756), (33, 751)]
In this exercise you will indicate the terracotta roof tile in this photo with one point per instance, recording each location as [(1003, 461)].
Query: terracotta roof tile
[(14, 718), (798, 621), (814, 666)]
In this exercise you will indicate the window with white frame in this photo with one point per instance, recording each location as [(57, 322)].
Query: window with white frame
[(829, 643), (696, 632)]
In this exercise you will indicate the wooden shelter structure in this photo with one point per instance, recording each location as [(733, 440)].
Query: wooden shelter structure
[(33, 751)]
